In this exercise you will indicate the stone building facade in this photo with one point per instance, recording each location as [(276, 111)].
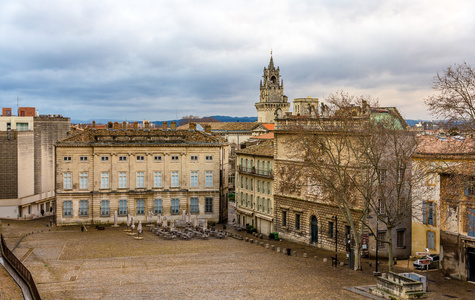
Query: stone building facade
[(134, 171), (254, 187), (27, 162), (272, 100)]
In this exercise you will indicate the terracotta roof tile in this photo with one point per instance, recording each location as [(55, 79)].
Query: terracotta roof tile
[(431, 145), (264, 148)]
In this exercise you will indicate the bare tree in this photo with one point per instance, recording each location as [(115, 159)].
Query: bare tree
[(360, 162), (389, 147), (454, 101)]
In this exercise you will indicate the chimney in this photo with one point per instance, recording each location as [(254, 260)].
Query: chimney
[(116, 125), (146, 124), (164, 126), (94, 124), (124, 125), (192, 126), (173, 125), (109, 125), (136, 125), (208, 128)]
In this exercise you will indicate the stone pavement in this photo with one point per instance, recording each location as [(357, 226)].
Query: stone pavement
[(69, 264)]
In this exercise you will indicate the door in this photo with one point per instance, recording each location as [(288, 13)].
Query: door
[(314, 229), (471, 264)]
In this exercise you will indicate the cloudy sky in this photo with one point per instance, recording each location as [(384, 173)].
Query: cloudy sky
[(141, 59)]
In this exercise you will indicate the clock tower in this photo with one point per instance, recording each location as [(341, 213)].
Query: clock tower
[(272, 100)]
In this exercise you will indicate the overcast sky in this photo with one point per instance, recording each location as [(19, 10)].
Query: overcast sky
[(153, 60)]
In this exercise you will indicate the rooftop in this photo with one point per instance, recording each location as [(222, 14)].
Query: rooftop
[(264, 148), (450, 145), (99, 137)]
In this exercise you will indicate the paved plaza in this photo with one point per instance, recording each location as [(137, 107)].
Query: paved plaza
[(70, 264)]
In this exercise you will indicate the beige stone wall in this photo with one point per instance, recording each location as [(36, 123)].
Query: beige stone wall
[(26, 174), (254, 192), (96, 165)]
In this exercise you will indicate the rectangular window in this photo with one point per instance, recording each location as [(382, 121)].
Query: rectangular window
[(104, 180), (122, 158), (400, 238), (194, 158), (67, 158), (381, 239), (83, 158), (140, 207), (67, 181), (157, 158), (297, 222), (194, 205), (22, 126), (380, 207), (140, 158), (83, 181), (208, 204), (158, 206), (157, 179), (428, 213), (104, 207), (83, 208), (175, 157), (175, 206), (122, 207), (209, 178), (140, 179), (122, 180), (67, 208), (330, 230), (209, 157), (194, 179), (431, 240), (104, 158), (175, 179), (284, 218)]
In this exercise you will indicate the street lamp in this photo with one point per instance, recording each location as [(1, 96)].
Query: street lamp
[(376, 273), (335, 217)]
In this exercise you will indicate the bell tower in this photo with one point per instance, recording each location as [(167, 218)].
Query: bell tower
[(272, 99)]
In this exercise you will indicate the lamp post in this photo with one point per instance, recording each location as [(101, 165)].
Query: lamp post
[(335, 217), (376, 273)]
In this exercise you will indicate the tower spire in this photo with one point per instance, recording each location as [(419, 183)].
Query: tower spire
[(271, 63)]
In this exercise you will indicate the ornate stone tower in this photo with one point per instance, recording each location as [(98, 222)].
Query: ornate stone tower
[(272, 101)]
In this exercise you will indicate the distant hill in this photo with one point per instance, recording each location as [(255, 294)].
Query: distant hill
[(409, 122), (219, 118)]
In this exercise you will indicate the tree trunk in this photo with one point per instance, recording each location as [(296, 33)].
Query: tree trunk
[(390, 248), (357, 256)]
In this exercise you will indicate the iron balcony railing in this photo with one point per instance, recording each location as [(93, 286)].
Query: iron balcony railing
[(254, 171)]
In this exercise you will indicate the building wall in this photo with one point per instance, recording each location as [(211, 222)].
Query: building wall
[(254, 192), (324, 213), (26, 176), (48, 130), (8, 165), (95, 166)]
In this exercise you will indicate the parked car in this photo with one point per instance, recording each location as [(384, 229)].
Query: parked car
[(433, 265)]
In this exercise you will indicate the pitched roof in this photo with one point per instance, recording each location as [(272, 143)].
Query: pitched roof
[(269, 126), (432, 145), (264, 148), (142, 137), (266, 136)]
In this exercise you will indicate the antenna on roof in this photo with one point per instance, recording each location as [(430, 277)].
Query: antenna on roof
[(17, 103)]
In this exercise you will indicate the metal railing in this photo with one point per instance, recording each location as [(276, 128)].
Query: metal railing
[(19, 268), (254, 171)]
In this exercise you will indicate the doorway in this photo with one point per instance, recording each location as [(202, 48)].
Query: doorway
[(314, 229)]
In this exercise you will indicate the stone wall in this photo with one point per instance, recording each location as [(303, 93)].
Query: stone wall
[(306, 209), (47, 131), (8, 165)]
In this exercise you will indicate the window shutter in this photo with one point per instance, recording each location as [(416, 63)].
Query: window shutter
[(424, 212)]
